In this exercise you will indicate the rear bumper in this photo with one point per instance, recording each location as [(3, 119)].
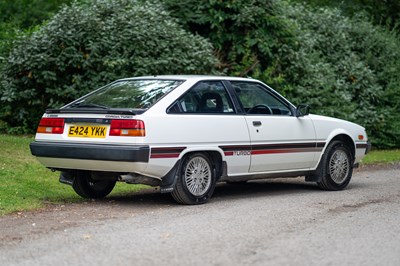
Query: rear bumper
[(100, 152)]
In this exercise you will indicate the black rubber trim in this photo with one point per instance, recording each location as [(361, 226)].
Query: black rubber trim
[(273, 146), (367, 146), (169, 180), (284, 146), (320, 144), (87, 120), (236, 148), (103, 152)]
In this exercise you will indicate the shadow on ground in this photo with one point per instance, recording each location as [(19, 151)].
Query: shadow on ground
[(223, 191)]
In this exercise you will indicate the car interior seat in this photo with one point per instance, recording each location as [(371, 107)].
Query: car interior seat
[(211, 102)]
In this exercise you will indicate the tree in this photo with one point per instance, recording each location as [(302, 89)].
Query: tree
[(345, 67), (383, 12), (17, 16), (342, 66), (85, 46), (246, 34)]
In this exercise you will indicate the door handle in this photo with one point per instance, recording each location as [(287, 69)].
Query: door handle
[(257, 123)]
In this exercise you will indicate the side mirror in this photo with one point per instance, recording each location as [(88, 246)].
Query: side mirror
[(302, 110)]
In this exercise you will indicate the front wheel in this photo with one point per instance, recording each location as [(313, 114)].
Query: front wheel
[(87, 187), (336, 167), (196, 180)]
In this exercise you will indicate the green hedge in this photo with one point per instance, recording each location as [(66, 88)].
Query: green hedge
[(85, 46), (246, 34), (342, 66), (345, 67)]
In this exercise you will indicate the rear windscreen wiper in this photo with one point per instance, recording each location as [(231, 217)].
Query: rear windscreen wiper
[(88, 105)]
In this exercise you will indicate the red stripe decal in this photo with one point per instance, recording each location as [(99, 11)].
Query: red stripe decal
[(164, 156), (275, 148), (257, 152), (166, 152), (273, 151)]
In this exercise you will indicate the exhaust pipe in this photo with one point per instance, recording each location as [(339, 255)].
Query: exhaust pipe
[(139, 179), (67, 178)]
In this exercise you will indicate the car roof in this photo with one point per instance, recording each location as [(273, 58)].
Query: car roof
[(193, 77)]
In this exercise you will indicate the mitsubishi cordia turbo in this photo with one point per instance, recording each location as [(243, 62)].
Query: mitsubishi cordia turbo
[(187, 133)]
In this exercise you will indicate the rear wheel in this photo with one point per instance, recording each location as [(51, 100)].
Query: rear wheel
[(196, 180), (336, 167), (87, 187)]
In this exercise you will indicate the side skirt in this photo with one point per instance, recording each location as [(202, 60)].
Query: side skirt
[(266, 176)]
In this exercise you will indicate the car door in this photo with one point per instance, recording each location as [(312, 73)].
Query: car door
[(207, 119), (279, 140)]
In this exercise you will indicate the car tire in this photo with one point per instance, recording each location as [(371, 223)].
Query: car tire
[(196, 180), (87, 187), (336, 167)]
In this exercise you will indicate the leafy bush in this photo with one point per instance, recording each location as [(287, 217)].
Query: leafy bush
[(28, 13), (345, 67), (246, 34), (386, 12), (17, 16), (8, 33), (85, 46)]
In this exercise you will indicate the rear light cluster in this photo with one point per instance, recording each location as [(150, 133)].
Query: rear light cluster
[(118, 127), (127, 127), (51, 126)]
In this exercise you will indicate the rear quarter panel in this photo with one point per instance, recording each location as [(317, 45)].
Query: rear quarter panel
[(195, 132)]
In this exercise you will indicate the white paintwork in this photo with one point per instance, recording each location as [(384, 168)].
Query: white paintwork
[(197, 133), (207, 132), (280, 129), (327, 128)]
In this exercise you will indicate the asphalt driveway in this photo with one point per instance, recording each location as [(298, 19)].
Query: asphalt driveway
[(271, 222)]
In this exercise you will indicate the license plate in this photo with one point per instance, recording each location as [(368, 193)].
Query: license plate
[(87, 131)]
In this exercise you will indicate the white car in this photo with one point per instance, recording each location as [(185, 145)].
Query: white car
[(186, 133)]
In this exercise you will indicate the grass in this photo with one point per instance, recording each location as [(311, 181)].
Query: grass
[(382, 157), (25, 184)]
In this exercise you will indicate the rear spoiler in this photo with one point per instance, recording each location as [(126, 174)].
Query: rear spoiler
[(114, 111)]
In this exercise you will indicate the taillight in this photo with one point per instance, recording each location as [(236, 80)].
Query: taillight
[(127, 127), (51, 126)]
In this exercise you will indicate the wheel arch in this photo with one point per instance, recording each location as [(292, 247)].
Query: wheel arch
[(348, 141), (200, 189), (215, 156), (341, 136)]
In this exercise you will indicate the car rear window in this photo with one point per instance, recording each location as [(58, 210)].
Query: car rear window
[(136, 94)]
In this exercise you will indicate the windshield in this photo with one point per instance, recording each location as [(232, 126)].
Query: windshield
[(133, 94)]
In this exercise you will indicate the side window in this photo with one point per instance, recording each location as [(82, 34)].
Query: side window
[(205, 97), (255, 99)]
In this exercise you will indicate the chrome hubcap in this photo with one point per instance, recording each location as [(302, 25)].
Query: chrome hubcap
[(339, 166), (198, 176)]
